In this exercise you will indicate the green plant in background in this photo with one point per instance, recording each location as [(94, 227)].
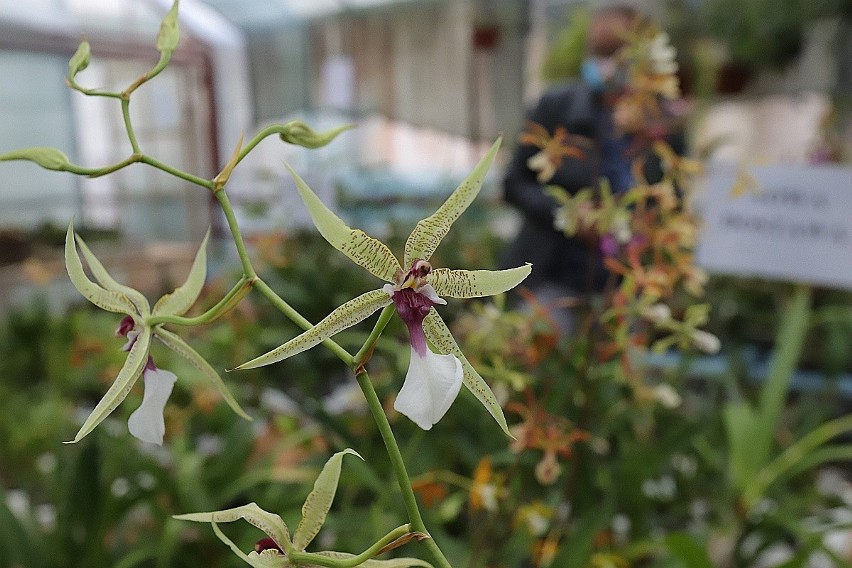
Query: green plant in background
[(565, 56)]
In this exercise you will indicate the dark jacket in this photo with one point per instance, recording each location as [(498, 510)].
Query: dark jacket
[(569, 262)]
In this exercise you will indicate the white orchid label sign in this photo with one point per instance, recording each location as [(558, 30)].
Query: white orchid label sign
[(782, 222)]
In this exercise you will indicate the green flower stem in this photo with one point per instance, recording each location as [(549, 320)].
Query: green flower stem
[(128, 126), (176, 172), (363, 354), (258, 138), (398, 465), (91, 92), (98, 172), (320, 560), (231, 299), (156, 70), (228, 210), (298, 319)]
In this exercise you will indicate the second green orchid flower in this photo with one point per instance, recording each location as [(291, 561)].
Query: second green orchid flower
[(433, 379), (146, 423)]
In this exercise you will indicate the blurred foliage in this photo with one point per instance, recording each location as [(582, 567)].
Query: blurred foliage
[(625, 471), (565, 55)]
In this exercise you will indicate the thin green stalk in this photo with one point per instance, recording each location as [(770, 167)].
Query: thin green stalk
[(364, 353), (128, 126), (319, 560), (299, 319), (228, 210), (398, 465), (258, 138), (176, 172), (231, 299), (98, 172)]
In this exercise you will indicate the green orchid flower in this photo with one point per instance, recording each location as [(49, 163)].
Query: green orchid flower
[(279, 550), (146, 423), (433, 379)]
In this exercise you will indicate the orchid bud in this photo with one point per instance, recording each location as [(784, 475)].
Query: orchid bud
[(298, 133), (48, 158)]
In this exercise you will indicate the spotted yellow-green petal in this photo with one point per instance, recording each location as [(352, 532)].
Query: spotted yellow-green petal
[(319, 500), (130, 372), (363, 249), (182, 348), (108, 300), (347, 315), (476, 283), (373, 563), (439, 336), (104, 279), (269, 523), (429, 232), (187, 293)]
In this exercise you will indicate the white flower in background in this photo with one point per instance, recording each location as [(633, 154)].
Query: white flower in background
[(662, 55)]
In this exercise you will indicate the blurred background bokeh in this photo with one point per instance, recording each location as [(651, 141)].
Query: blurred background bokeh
[(428, 84)]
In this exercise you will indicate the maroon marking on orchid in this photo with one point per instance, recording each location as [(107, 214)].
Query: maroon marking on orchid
[(267, 544), (413, 307), (126, 326), (149, 364)]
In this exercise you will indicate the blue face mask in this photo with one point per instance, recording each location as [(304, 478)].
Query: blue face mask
[(590, 71)]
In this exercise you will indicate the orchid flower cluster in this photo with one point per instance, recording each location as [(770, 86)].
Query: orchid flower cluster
[(647, 234), (413, 289)]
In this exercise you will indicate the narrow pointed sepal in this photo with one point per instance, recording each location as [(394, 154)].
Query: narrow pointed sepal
[(352, 312), (429, 232), (430, 387), (109, 300), (108, 282), (361, 248), (146, 423), (182, 348), (318, 503), (439, 335), (269, 523), (179, 301), (476, 283), (130, 372)]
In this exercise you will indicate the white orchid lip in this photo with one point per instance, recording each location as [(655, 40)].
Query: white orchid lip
[(147, 422)]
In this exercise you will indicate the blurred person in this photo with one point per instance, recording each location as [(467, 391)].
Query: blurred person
[(566, 269)]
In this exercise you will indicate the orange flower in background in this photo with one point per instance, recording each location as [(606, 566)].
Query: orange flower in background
[(553, 434), (554, 149)]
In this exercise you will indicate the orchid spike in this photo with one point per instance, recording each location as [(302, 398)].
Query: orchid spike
[(277, 548), (415, 288), (146, 423)]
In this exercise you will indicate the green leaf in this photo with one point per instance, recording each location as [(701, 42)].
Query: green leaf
[(269, 523), (347, 315), (739, 420), (319, 500), (363, 249), (373, 563), (476, 283), (104, 279), (48, 158), (179, 301), (125, 380), (169, 34), (109, 300), (182, 348), (439, 335), (80, 60), (684, 547), (429, 232), (298, 133)]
